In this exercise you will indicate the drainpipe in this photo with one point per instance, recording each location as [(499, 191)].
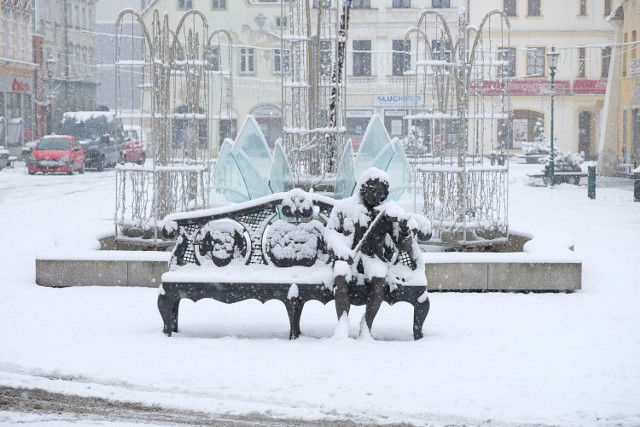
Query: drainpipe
[(66, 58)]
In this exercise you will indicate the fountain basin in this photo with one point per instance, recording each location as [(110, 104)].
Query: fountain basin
[(527, 264)]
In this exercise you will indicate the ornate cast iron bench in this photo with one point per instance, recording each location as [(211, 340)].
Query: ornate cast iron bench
[(270, 248)]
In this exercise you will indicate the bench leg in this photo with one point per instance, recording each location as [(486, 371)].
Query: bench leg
[(420, 312), (168, 307), (294, 311)]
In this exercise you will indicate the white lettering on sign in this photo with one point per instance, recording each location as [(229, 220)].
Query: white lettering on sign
[(396, 100)]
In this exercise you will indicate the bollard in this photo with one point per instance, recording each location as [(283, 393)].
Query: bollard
[(591, 183), (636, 187)]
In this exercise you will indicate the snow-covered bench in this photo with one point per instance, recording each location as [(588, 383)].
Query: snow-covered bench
[(560, 177), (271, 248)]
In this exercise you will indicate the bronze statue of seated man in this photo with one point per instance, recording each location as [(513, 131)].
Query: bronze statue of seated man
[(362, 235)]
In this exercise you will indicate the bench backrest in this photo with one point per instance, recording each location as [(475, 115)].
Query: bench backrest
[(283, 229)]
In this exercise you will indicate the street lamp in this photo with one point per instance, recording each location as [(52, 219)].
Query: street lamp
[(51, 63), (552, 57)]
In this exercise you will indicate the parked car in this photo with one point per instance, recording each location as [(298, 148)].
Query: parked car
[(134, 147), (100, 133), (27, 149), (4, 157), (57, 153)]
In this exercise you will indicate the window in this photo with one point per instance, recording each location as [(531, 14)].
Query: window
[(247, 60), (218, 4), (533, 8), (535, 61), (362, 57), (281, 61), (509, 7), (441, 50), (281, 21), (324, 3), (401, 57), (400, 4), (441, 4), (583, 7), (607, 7), (185, 4), (361, 4), (606, 61), (326, 58), (507, 54), (213, 59), (582, 61)]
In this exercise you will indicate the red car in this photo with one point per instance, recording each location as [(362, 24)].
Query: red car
[(133, 149), (57, 154)]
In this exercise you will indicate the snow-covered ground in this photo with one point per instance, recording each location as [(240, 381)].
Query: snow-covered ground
[(486, 359)]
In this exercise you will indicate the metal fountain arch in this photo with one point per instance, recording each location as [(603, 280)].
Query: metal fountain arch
[(180, 74), (457, 102), (313, 89)]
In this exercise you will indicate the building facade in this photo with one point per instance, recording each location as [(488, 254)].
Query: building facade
[(619, 149), (17, 71), (377, 58), (107, 12), (67, 70), (580, 30)]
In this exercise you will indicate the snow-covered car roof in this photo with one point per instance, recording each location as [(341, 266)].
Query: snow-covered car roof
[(82, 116)]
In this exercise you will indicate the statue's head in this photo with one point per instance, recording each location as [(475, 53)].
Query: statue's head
[(374, 187)]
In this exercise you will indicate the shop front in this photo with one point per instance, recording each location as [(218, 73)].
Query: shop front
[(16, 110), (393, 108)]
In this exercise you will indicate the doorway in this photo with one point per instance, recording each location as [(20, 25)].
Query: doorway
[(524, 126), (585, 134)]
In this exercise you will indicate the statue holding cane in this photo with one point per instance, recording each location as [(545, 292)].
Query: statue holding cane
[(363, 234)]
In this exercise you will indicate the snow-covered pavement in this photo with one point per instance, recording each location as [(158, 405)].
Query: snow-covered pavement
[(486, 359)]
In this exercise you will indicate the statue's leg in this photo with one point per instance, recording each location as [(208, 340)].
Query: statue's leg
[(341, 296), (374, 299), (420, 312)]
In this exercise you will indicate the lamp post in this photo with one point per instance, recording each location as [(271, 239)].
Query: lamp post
[(552, 57)]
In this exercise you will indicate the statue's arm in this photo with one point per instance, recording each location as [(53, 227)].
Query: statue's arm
[(338, 239)]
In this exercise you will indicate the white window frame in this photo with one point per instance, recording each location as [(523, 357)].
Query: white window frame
[(218, 4), (536, 59), (185, 4), (247, 60), (279, 60)]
